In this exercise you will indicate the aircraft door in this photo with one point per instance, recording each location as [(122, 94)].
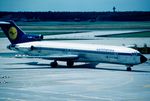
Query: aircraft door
[(134, 56), (116, 56)]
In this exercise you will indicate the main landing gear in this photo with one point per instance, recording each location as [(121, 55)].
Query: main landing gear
[(70, 63), (129, 68), (55, 64)]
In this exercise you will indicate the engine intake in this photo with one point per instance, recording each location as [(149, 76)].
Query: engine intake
[(34, 37)]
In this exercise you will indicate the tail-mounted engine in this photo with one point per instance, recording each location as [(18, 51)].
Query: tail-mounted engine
[(33, 37)]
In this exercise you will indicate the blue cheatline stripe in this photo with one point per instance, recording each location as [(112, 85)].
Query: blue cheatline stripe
[(89, 51)]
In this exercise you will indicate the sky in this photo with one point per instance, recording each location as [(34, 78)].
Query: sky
[(74, 5)]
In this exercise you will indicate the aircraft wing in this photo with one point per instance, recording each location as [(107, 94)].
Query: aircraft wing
[(89, 35), (51, 57)]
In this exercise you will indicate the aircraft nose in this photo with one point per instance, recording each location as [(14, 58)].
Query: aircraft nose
[(143, 59)]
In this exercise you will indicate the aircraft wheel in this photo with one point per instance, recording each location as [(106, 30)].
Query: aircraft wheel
[(32, 47), (70, 63), (129, 69), (54, 64)]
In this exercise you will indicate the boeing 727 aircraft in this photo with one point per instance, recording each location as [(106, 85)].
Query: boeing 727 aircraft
[(32, 47)]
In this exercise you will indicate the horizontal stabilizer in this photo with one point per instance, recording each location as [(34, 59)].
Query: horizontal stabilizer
[(4, 23)]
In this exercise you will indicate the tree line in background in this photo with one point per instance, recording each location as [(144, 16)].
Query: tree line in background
[(75, 16)]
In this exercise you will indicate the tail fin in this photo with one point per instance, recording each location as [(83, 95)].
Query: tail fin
[(15, 34)]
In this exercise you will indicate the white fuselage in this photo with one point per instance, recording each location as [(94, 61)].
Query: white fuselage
[(86, 52)]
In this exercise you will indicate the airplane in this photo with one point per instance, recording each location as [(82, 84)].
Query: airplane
[(32, 47)]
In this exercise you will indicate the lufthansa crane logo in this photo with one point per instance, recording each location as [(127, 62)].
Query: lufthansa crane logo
[(12, 33)]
